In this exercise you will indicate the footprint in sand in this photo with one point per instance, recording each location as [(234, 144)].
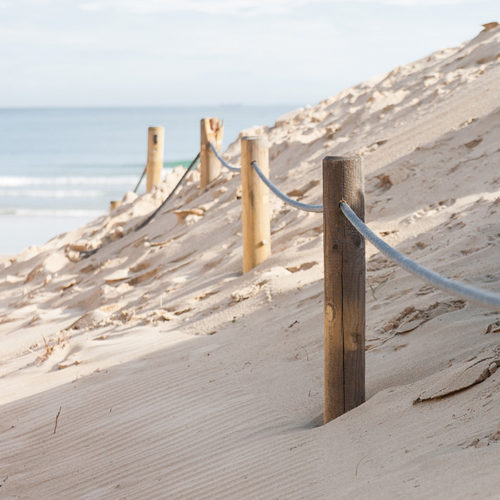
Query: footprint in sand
[(472, 144), (411, 318), (176, 310), (247, 292), (206, 295), (139, 267), (300, 192), (189, 216), (302, 267), (456, 379), (37, 271), (214, 263), (145, 276), (431, 209), (378, 262)]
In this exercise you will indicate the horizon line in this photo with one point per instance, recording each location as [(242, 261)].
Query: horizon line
[(162, 106)]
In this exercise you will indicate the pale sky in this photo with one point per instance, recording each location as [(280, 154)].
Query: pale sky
[(192, 52)]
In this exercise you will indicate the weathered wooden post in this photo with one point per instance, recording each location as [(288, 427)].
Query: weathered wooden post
[(344, 253), (255, 198), (211, 131), (114, 204), (154, 165)]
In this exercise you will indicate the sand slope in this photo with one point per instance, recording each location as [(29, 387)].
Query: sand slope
[(170, 374)]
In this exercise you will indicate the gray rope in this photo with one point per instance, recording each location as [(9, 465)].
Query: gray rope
[(153, 215), (480, 297), (140, 180), (224, 162), (283, 196)]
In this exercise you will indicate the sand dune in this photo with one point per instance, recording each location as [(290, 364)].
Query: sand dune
[(152, 368)]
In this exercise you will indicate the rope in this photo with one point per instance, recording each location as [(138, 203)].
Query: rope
[(152, 216), (224, 162), (269, 184), (479, 297), (283, 196), (140, 180)]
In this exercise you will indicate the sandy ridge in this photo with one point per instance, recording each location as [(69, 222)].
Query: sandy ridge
[(214, 378)]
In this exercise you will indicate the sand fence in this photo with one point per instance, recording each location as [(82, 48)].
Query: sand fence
[(344, 247)]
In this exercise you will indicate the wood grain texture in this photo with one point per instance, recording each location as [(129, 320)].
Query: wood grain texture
[(154, 165), (344, 255), (255, 217), (211, 130)]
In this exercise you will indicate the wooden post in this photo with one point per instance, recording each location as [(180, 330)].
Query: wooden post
[(114, 204), (255, 197), (154, 165), (344, 252), (211, 131)]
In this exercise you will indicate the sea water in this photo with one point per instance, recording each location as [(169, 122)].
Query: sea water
[(60, 167)]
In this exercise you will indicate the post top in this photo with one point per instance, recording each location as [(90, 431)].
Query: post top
[(342, 158), (254, 138), (211, 125)]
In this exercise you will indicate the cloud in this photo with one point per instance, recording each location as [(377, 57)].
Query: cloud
[(91, 6), (242, 6), (200, 6)]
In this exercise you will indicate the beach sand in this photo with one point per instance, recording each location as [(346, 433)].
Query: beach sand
[(155, 369)]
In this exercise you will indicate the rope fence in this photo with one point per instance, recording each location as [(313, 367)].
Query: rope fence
[(480, 297), (344, 250), (221, 159), (140, 179), (269, 184), (282, 196), (170, 196), (344, 270)]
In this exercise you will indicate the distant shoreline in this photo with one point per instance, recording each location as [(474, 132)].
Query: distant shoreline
[(154, 107)]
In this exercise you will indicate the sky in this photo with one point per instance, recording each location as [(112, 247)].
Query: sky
[(200, 52)]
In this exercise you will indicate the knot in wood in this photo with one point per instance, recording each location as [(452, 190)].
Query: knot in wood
[(330, 312)]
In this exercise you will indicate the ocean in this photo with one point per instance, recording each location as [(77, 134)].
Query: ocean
[(60, 167)]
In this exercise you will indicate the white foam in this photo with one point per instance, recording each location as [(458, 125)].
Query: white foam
[(48, 212), (51, 193), (13, 181)]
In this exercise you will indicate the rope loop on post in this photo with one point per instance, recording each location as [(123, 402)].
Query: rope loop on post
[(283, 196), (223, 162), (482, 298)]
